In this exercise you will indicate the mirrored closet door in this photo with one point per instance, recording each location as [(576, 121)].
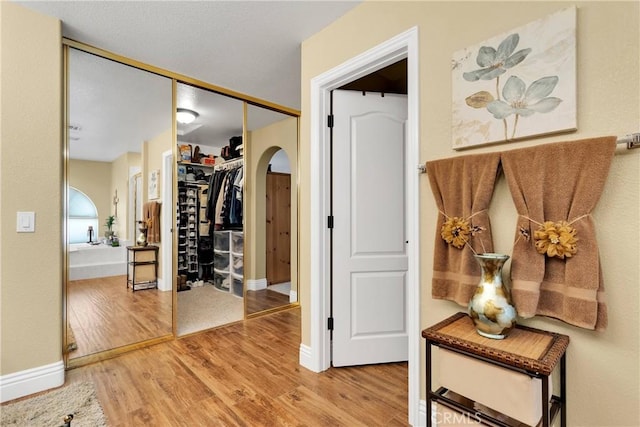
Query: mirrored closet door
[(181, 207), (209, 210), (271, 270), (120, 120)]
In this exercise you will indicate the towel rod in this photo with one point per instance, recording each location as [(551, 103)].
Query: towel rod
[(631, 141)]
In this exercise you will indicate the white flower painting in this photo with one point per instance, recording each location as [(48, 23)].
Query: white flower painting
[(516, 85)]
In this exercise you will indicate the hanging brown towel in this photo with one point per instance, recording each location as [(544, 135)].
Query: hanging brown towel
[(555, 187), (462, 188), (151, 214)]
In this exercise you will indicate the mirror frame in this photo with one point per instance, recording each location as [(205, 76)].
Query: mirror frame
[(175, 79)]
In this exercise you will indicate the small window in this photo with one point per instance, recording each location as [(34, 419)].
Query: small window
[(82, 214)]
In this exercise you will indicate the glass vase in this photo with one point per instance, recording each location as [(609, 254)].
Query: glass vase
[(142, 237), (491, 307)]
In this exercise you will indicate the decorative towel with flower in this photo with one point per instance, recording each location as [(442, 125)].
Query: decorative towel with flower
[(555, 268), (462, 188)]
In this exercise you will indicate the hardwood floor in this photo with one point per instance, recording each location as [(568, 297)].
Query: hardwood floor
[(245, 374), (104, 314), (264, 299)]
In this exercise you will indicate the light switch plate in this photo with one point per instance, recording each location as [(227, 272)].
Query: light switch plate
[(26, 222)]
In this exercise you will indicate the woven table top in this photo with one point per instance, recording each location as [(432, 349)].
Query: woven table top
[(527, 348)]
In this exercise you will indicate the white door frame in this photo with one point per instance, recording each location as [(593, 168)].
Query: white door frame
[(317, 357), (166, 284)]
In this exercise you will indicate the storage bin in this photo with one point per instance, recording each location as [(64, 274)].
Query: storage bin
[(512, 393), (221, 261), (237, 238), (221, 240), (238, 286), (221, 281), (238, 265)]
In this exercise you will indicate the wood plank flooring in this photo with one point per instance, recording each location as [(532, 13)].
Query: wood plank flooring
[(264, 299), (104, 314), (244, 374)]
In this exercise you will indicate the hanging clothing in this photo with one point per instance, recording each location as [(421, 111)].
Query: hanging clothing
[(224, 201)]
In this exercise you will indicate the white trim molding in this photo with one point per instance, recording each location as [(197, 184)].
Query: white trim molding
[(30, 381), (306, 357), (256, 284), (317, 357), (166, 282)]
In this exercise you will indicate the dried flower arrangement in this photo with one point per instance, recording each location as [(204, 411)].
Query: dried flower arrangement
[(458, 231), (556, 239), (145, 223)]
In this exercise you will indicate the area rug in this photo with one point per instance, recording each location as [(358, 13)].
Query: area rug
[(206, 307), (50, 408)]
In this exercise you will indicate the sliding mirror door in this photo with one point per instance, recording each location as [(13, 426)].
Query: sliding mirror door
[(209, 247), (120, 121), (271, 240)]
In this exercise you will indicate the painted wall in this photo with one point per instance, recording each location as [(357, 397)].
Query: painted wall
[(263, 144), (602, 367), (120, 182), (89, 177), (152, 160), (30, 180)]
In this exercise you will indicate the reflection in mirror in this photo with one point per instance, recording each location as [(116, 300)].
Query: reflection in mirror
[(272, 146), (119, 123), (209, 210)]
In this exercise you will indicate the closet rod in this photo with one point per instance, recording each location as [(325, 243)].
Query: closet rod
[(228, 163), (631, 141)]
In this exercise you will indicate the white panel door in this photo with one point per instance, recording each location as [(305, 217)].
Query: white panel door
[(369, 235)]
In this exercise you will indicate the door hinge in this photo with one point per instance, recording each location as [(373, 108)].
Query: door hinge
[(330, 120), (330, 221), (330, 323)]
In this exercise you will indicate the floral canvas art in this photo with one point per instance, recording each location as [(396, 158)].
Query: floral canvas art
[(516, 85)]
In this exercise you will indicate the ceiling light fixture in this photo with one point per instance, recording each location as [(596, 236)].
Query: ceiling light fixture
[(186, 116)]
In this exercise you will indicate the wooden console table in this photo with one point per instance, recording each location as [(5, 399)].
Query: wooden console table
[(529, 351), (142, 267)]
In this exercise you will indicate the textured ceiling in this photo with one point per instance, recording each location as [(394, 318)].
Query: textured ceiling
[(252, 47), (249, 46)]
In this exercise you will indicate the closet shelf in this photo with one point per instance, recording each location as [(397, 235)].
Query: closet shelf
[(198, 165)]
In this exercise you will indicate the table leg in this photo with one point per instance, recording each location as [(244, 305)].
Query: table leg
[(545, 401), (563, 389), (428, 382)]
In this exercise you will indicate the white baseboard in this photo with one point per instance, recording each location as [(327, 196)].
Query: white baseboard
[(256, 284), (161, 285), (422, 414), (34, 380), (293, 296), (306, 358)]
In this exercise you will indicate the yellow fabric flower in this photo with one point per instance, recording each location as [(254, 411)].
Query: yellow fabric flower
[(456, 232), (556, 239)]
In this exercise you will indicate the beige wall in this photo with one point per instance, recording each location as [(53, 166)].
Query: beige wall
[(603, 368), (89, 177), (30, 180), (152, 160), (120, 183), (262, 145)]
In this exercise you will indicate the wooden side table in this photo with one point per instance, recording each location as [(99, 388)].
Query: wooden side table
[(142, 267), (529, 351)]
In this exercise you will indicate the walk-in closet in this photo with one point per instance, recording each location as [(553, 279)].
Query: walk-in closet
[(209, 209)]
